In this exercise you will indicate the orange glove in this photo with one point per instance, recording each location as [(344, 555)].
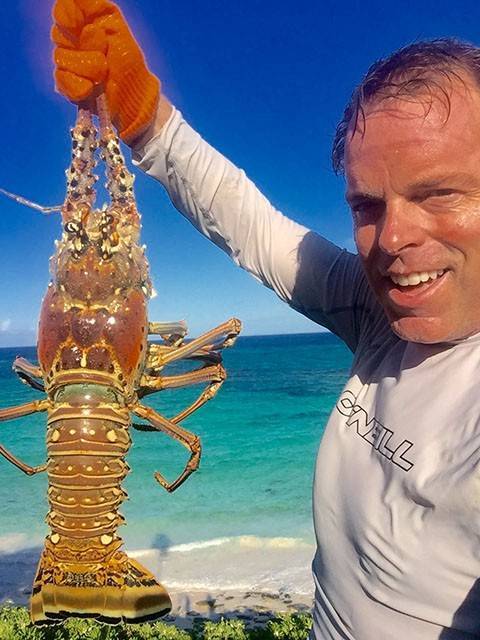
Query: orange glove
[(94, 45)]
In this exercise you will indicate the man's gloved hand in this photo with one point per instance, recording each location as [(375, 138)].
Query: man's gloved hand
[(94, 45)]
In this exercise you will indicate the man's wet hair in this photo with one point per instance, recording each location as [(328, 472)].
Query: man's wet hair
[(422, 68)]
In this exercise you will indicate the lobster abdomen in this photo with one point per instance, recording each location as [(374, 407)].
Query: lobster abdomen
[(85, 469)]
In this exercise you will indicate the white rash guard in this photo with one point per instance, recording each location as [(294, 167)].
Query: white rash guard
[(397, 483)]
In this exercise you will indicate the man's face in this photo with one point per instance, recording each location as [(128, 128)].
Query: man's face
[(413, 184)]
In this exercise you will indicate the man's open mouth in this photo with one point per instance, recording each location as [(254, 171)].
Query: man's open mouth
[(416, 288)]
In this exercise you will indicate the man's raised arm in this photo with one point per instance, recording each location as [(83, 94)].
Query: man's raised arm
[(223, 204)]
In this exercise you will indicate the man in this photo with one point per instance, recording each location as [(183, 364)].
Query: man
[(396, 495)]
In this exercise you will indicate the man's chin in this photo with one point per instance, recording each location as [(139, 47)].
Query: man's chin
[(426, 330)]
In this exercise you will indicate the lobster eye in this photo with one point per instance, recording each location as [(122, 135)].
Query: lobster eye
[(71, 227)]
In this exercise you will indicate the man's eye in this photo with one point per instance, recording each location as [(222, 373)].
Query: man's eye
[(366, 212), (440, 193)]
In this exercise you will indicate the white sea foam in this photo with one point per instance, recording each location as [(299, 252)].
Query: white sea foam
[(247, 541), (14, 542), (272, 543), (201, 544), (234, 563)]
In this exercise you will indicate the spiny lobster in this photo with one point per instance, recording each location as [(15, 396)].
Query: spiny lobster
[(95, 364)]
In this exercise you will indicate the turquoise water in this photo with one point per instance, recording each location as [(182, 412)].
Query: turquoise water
[(260, 436)]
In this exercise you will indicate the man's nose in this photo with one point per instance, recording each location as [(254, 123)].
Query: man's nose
[(400, 227)]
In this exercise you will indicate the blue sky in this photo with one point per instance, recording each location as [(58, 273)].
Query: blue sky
[(265, 82)]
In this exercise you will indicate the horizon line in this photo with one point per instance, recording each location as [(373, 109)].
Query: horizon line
[(321, 330)]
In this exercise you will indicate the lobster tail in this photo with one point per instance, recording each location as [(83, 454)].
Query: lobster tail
[(83, 571), (120, 590)]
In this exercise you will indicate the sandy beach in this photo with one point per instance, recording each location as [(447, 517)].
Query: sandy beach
[(255, 608), (254, 605)]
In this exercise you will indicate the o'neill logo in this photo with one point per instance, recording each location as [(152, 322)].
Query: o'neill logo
[(373, 432)]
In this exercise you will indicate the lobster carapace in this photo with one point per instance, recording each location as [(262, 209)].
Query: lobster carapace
[(95, 365)]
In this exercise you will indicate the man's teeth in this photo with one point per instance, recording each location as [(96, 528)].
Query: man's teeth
[(417, 277)]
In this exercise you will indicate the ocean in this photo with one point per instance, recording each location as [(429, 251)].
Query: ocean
[(244, 519)]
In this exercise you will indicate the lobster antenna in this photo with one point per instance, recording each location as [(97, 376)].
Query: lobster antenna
[(119, 179), (105, 124), (33, 205)]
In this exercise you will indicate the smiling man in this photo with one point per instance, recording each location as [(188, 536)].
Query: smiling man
[(396, 491), (413, 185)]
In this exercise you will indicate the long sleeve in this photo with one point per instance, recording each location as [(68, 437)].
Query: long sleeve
[(312, 275)]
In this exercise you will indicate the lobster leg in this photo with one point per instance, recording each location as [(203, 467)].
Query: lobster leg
[(150, 384), (21, 364), (209, 340), (188, 439), (215, 375), (29, 373), (206, 395), (157, 353), (172, 332), (17, 412), (209, 354)]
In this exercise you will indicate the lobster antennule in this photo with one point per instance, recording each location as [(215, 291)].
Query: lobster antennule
[(81, 194), (119, 179)]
